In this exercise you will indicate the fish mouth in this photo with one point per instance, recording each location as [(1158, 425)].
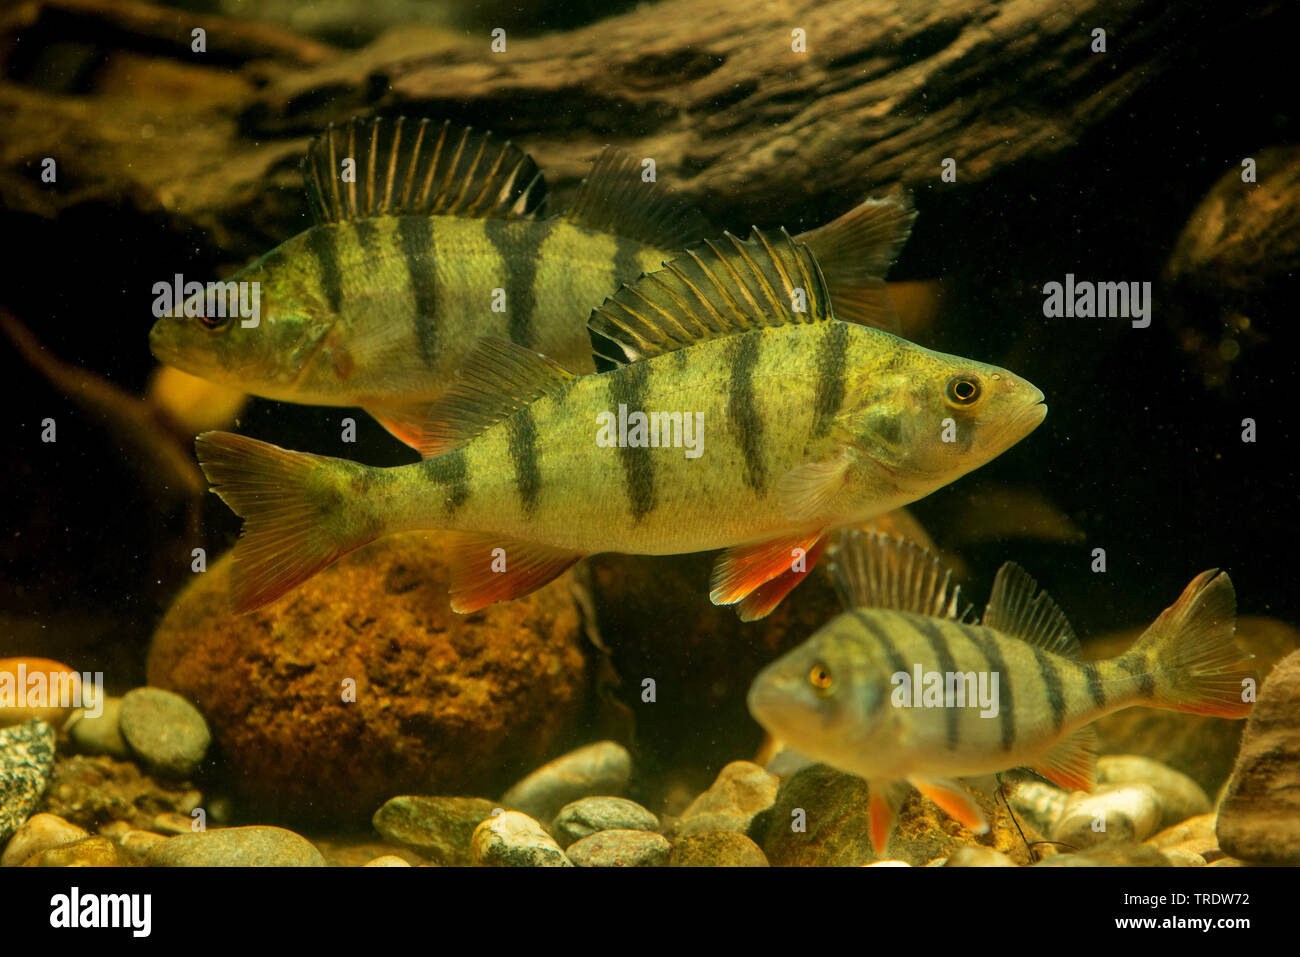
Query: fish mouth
[(1026, 420), (762, 700)]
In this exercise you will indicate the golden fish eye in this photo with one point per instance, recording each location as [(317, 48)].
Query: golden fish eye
[(820, 676), (963, 389), (213, 322)]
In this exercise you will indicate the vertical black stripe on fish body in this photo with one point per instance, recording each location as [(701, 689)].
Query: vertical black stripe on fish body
[(627, 264), (522, 431), (519, 245), (1051, 686), (322, 243), (1096, 689), (831, 366), (372, 240), (1138, 666), (987, 642), (877, 631), (947, 666), (628, 386), (742, 408), (452, 471), (415, 239)]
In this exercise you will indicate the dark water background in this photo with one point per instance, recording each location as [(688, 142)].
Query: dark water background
[(1137, 450)]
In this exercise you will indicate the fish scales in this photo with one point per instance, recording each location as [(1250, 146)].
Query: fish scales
[(727, 416), (413, 294), (644, 501), (1042, 696)]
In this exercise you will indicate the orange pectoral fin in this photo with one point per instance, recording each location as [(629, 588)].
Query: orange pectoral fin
[(880, 818), (745, 568), (953, 801), (762, 600), (487, 569)]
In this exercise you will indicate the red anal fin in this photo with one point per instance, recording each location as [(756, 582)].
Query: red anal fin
[(762, 600), (743, 569), (880, 818), (487, 569), (1072, 762), (954, 801), (403, 422)]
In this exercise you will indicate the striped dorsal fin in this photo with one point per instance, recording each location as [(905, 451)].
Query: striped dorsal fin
[(1018, 608), (876, 571), (719, 288), (615, 199), (405, 167), (496, 380)]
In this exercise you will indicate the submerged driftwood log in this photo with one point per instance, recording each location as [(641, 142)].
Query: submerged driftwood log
[(717, 95)]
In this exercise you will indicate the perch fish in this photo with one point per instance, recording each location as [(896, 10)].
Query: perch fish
[(895, 689), (776, 423), (436, 240)]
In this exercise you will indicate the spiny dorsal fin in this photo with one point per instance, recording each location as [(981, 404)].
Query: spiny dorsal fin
[(1017, 608), (615, 199), (718, 288), (417, 168), (855, 251), (875, 571), (496, 379)]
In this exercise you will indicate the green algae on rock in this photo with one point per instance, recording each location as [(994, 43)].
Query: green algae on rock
[(440, 828), (256, 846), (363, 684), (26, 758)]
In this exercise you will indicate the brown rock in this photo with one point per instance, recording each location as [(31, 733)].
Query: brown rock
[(1196, 828), (90, 852), (40, 832), (741, 791), (1202, 748), (1259, 821), (1112, 855), (716, 849), (445, 703), (47, 689)]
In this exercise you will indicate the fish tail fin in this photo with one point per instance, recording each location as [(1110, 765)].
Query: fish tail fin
[(855, 251), (1189, 654), (298, 511)]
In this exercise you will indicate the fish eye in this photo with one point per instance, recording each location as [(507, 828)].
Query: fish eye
[(963, 390), (213, 322), (820, 677)]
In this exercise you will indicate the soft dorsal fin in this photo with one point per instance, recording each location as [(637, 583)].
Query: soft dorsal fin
[(615, 199), (496, 379), (1018, 608), (718, 288), (855, 251), (407, 167), (875, 571)]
